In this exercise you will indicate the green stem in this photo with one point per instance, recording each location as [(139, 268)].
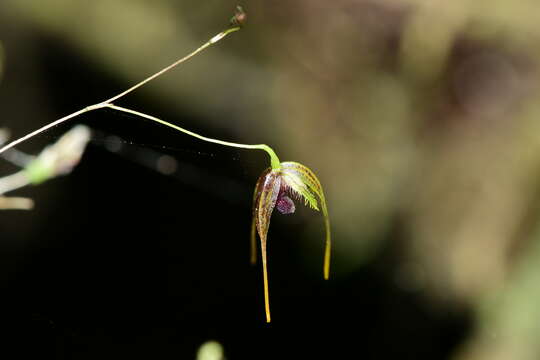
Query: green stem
[(274, 160)]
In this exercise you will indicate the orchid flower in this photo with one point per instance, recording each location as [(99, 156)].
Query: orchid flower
[(274, 189)]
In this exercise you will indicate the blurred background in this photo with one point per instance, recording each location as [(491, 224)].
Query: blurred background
[(419, 117)]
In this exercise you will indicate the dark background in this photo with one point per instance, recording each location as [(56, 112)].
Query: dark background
[(420, 121), (122, 261)]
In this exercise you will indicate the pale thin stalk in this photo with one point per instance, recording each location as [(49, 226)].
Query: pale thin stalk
[(17, 158), (273, 157), (13, 182), (213, 40), (105, 103), (15, 203), (47, 127)]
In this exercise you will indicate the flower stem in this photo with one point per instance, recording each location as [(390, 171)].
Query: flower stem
[(274, 160), (105, 103), (213, 40)]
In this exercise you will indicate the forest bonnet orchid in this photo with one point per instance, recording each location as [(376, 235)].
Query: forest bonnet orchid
[(274, 188), (272, 191)]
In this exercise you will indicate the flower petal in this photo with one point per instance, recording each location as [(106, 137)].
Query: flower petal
[(269, 191), (256, 196), (302, 180), (293, 177), (267, 201)]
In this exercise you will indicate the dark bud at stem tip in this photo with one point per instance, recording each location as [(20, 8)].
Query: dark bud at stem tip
[(239, 18)]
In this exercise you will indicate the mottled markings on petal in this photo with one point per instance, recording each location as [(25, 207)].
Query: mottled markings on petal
[(303, 181), (306, 176), (297, 186), (271, 185), (256, 196), (267, 201)]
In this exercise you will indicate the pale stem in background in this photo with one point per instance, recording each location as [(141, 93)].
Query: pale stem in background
[(13, 182), (15, 203)]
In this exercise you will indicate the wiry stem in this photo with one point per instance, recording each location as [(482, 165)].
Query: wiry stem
[(46, 127), (213, 40), (273, 157), (105, 103)]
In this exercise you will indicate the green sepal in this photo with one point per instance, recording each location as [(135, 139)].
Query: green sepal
[(307, 179)]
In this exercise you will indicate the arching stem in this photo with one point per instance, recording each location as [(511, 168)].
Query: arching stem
[(106, 103), (274, 160), (213, 40)]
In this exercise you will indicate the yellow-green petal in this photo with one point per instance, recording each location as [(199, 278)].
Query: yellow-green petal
[(301, 179), (299, 188)]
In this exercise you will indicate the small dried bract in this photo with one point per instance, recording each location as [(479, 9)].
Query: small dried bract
[(239, 18)]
